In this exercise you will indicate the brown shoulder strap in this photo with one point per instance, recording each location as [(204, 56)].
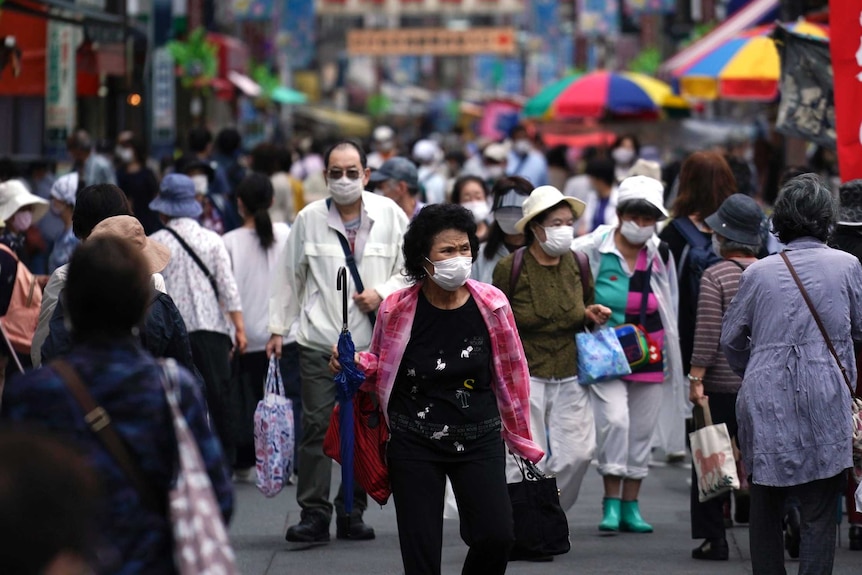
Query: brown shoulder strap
[(99, 422), (586, 275), (817, 320)]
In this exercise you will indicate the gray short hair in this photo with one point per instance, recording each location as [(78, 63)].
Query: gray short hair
[(805, 207), (730, 247)]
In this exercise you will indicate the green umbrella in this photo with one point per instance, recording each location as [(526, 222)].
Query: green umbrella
[(540, 104)]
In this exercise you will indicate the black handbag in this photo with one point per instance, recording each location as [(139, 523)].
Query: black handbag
[(541, 526)]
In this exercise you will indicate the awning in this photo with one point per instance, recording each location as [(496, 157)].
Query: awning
[(246, 85), (745, 18), (347, 123)]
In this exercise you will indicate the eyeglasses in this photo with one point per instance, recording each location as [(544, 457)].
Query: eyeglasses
[(337, 174)]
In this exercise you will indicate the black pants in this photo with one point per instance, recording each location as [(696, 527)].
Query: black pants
[(483, 504), (818, 507), (707, 518), (251, 377), (211, 354)]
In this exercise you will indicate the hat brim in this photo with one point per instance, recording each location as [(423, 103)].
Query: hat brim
[(577, 206), (725, 230), (377, 176), (189, 208), (157, 255)]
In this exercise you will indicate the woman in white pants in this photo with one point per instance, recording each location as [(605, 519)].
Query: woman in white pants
[(551, 301), (635, 278)]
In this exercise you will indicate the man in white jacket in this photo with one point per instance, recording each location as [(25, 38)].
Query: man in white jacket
[(372, 228)]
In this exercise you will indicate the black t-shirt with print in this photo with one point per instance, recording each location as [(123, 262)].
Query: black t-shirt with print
[(442, 405)]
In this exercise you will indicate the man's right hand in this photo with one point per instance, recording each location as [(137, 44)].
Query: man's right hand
[(273, 346)]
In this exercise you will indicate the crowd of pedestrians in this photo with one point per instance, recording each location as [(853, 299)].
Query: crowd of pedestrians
[(471, 271)]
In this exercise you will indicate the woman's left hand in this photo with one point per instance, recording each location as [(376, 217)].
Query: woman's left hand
[(598, 314)]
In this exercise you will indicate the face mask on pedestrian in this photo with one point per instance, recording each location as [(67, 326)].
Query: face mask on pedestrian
[(558, 240), (495, 172), (201, 183), (452, 273), (22, 220), (623, 156), (345, 191), (507, 217), (479, 209), (716, 244), (522, 147), (125, 155), (635, 234)]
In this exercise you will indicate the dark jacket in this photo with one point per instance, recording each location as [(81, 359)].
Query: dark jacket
[(163, 335)]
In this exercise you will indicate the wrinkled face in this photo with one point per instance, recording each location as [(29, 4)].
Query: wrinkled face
[(446, 245)]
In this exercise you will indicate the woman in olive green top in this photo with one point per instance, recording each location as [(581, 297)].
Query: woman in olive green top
[(550, 305)]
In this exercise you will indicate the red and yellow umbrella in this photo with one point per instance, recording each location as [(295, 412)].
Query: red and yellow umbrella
[(746, 67)]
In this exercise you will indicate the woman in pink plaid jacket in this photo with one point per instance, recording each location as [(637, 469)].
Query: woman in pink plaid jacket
[(448, 367)]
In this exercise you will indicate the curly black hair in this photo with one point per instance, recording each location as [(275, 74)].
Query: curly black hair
[(424, 228)]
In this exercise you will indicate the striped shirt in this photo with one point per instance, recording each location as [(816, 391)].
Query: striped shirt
[(718, 286)]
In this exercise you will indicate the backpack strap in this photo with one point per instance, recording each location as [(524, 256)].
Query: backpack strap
[(689, 231), (517, 264)]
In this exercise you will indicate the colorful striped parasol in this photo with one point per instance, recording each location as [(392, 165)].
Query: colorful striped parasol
[(745, 67), (604, 94)]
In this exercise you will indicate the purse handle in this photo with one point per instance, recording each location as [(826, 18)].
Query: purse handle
[(818, 321), (529, 470)]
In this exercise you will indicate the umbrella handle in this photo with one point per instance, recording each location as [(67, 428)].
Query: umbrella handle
[(342, 287)]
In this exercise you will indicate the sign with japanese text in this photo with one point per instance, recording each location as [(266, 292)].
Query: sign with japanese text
[(60, 84), (846, 49), (163, 104), (431, 42)]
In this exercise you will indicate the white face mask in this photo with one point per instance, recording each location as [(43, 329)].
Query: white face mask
[(635, 234), (126, 155), (716, 244), (559, 240), (623, 156), (452, 273), (345, 191), (507, 218), (495, 172), (522, 147), (479, 209), (201, 183)]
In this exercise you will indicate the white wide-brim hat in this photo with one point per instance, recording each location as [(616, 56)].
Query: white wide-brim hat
[(643, 188), (545, 197), (14, 195)]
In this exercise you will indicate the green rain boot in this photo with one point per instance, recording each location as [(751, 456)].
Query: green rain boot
[(631, 520), (611, 520)]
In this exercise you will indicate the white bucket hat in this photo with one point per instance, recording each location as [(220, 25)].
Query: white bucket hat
[(14, 195), (545, 197)]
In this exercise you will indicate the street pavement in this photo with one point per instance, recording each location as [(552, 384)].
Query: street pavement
[(259, 525)]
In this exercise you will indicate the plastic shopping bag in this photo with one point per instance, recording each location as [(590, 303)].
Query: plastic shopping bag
[(712, 457), (273, 434), (600, 356)]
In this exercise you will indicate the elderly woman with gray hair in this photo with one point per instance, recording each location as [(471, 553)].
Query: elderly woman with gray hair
[(793, 407), (736, 238)]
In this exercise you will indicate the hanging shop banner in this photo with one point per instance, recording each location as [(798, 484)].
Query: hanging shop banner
[(164, 119), (298, 22), (598, 17), (807, 107), (845, 20), (60, 85)]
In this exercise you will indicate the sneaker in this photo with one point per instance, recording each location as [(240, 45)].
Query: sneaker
[(245, 475)]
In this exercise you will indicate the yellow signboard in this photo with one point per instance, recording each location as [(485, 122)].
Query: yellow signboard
[(431, 42)]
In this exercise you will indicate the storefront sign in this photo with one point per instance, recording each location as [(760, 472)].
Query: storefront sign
[(60, 84), (164, 121), (846, 48), (598, 17), (431, 42)]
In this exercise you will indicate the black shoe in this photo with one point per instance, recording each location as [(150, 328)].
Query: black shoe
[(855, 538), (743, 502), (791, 533), (712, 550), (313, 527), (353, 527), (518, 554)]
